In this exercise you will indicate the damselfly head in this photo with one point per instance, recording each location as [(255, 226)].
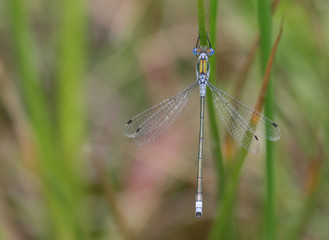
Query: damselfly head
[(208, 51)]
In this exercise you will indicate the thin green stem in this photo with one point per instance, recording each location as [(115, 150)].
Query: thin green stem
[(53, 168), (71, 82), (202, 23), (216, 147), (71, 119), (265, 28), (38, 113), (27, 70), (221, 224)]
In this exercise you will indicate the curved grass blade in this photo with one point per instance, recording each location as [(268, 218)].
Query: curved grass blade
[(150, 124)]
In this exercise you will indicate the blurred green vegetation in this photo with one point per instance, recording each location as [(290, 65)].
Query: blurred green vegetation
[(73, 72)]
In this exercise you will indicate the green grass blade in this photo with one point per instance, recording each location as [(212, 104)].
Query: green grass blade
[(36, 104), (221, 224), (265, 28), (70, 79), (216, 147), (27, 70), (71, 96), (202, 23), (53, 169)]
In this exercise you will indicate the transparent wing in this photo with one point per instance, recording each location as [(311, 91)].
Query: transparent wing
[(150, 124), (233, 121), (262, 126)]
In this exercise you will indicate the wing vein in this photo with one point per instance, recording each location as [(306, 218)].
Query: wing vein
[(154, 121)]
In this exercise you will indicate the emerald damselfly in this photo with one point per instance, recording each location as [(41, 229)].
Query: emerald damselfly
[(243, 123)]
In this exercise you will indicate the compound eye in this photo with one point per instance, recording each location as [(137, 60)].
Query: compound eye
[(212, 52), (195, 51)]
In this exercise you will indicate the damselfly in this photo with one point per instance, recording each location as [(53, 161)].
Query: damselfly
[(244, 124)]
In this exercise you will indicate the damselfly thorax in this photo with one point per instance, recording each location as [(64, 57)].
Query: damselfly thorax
[(203, 67)]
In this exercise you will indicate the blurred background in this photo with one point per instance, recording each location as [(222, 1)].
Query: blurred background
[(72, 73)]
